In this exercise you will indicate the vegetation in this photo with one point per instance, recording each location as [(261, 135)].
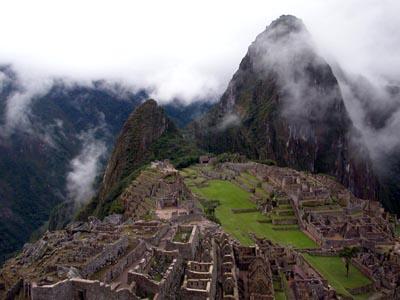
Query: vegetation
[(182, 237), (397, 230), (111, 201), (116, 207), (348, 253), (173, 146), (241, 225), (333, 269), (209, 210), (268, 162), (230, 157)]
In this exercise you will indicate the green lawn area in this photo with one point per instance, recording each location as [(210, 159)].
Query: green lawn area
[(240, 225), (397, 230), (333, 269), (280, 296)]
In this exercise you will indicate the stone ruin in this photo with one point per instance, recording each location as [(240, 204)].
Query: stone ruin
[(200, 276), (188, 257), (157, 275), (185, 240), (383, 267)]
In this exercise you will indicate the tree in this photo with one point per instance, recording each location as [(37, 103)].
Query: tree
[(209, 210), (348, 253)]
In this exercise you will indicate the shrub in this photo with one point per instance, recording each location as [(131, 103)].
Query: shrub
[(268, 162), (116, 207)]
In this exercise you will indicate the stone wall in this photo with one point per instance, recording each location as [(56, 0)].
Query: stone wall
[(187, 218), (71, 289), (186, 250), (164, 287), (126, 261), (197, 289), (362, 289), (329, 243), (109, 254), (156, 238), (317, 252), (367, 272), (315, 234)]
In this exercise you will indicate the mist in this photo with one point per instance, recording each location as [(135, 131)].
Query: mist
[(184, 50), (84, 168)]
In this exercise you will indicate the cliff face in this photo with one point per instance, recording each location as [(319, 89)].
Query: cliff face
[(285, 104)]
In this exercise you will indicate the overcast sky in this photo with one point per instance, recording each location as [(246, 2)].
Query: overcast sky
[(185, 49)]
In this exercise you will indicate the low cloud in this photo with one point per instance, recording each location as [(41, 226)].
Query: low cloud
[(229, 120), (374, 108), (3, 80), (286, 55), (17, 113), (175, 54), (85, 167)]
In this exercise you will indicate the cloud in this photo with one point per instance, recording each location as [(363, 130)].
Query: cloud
[(374, 108), (285, 55), (85, 167), (187, 50), (229, 120), (184, 49), (3, 80), (17, 111)]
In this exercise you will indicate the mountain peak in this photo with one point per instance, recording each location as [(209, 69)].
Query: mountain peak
[(148, 135), (289, 21), (288, 107), (143, 127)]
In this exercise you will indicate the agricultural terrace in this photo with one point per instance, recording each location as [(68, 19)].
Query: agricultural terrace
[(231, 197), (333, 269)]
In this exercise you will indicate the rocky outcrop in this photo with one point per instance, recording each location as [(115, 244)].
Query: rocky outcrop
[(148, 135), (143, 127), (284, 103)]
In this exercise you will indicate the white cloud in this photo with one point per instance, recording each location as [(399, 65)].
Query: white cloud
[(84, 168), (3, 79), (17, 110), (185, 48)]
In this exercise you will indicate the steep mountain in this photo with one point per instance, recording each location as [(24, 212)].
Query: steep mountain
[(285, 104), (147, 135)]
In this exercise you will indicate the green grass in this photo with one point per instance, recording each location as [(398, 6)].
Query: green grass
[(397, 230), (333, 269), (241, 225), (280, 296), (181, 237)]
